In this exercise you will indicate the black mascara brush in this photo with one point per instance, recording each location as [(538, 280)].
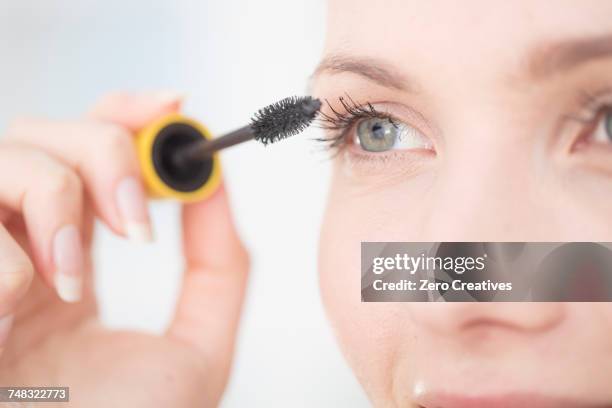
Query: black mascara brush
[(177, 154), (275, 122)]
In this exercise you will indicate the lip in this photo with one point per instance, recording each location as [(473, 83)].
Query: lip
[(441, 400)]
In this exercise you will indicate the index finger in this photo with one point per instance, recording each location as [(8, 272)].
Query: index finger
[(134, 111)]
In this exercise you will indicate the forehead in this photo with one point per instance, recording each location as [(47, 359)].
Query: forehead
[(468, 32)]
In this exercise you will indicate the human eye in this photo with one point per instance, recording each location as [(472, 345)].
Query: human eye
[(601, 130), (595, 134), (368, 130), (384, 134)]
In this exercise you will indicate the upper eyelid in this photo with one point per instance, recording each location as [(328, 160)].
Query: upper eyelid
[(578, 122), (396, 112), (351, 108), (596, 100), (351, 112), (343, 122), (591, 105)]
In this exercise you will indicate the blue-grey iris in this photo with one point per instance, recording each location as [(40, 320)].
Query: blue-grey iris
[(377, 134)]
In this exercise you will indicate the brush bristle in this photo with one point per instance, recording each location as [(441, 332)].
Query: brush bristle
[(284, 118)]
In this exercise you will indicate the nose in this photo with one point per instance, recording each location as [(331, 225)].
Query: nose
[(488, 187), (458, 319)]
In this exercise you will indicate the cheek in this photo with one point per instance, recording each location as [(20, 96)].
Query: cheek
[(602, 309), (374, 337), (353, 215)]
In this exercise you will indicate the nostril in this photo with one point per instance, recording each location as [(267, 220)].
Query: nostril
[(494, 323), (518, 316), (457, 318)]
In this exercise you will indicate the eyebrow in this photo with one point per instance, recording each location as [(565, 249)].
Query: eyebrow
[(370, 68), (559, 57), (542, 61)]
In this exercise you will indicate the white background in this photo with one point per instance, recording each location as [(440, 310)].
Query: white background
[(229, 58)]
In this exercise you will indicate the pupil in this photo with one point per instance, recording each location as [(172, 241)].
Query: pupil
[(378, 131), (608, 125)]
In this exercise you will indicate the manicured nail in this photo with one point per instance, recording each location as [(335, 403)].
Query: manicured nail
[(5, 327), (133, 210), (68, 259)]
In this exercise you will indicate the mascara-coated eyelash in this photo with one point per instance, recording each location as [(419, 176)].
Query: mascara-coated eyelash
[(340, 123)]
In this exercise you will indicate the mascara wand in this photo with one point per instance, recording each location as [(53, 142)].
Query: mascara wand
[(178, 157), (275, 122)]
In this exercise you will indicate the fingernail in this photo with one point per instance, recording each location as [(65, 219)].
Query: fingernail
[(167, 97), (133, 210), (5, 327), (68, 259)]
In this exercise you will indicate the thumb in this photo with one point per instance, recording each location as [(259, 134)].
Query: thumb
[(134, 111), (214, 283)]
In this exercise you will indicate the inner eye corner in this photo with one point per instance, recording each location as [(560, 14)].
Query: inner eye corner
[(590, 134)]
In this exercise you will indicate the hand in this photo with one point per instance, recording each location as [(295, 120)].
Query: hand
[(55, 177)]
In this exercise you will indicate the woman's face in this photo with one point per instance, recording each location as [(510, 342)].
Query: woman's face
[(499, 131)]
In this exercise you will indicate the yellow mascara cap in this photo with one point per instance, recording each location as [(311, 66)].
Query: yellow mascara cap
[(187, 181)]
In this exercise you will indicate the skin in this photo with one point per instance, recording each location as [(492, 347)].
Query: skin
[(487, 85), (53, 342), (503, 167)]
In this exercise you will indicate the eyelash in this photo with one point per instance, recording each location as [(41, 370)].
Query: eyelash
[(340, 124)]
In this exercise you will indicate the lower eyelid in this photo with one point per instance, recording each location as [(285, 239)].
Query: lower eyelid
[(595, 149), (594, 162), (382, 168), (389, 156)]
